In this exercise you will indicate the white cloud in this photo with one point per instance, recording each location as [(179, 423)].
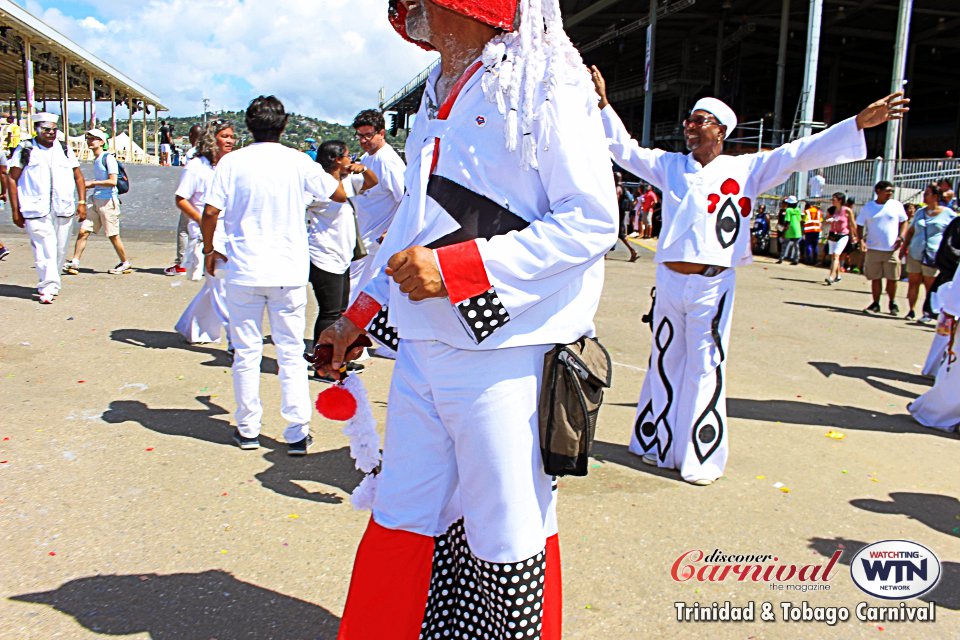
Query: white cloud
[(325, 58)]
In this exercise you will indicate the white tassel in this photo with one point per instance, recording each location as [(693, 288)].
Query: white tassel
[(364, 443)]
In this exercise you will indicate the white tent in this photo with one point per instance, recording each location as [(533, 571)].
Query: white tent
[(122, 144)]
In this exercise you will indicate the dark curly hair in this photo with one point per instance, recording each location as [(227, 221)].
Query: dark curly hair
[(370, 118), (266, 118)]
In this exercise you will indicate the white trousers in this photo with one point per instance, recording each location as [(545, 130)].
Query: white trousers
[(682, 412), (193, 252), (938, 407), (462, 440), (206, 316), (49, 236), (286, 307)]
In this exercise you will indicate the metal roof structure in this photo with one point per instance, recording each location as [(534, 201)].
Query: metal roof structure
[(62, 71), (729, 48)]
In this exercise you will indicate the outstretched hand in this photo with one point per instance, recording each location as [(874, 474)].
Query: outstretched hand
[(600, 85), (890, 108)]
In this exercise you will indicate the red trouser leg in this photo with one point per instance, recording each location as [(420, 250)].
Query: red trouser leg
[(552, 593), (388, 590)]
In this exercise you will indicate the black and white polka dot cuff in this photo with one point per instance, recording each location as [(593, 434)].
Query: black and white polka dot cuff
[(383, 332), (483, 314)]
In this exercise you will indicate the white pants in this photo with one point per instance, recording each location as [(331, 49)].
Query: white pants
[(682, 412), (937, 347), (193, 253), (462, 440), (49, 236), (359, 269), (286, 307), (206, 316)]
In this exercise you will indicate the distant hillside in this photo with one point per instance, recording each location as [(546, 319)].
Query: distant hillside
[(299, 128)]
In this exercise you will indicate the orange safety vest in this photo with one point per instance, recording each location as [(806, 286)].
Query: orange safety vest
[(811, 222)]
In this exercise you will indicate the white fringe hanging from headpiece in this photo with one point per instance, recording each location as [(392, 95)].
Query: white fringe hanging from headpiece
[(364, 444), (525, 64)]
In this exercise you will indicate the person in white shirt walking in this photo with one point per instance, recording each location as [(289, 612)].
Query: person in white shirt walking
[(104, 205), (261, 191), (44, 176), (881, 226)]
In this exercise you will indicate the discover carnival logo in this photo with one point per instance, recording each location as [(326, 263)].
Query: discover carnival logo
[(718, 566), (895, 569)]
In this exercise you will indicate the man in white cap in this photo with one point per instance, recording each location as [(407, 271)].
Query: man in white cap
[(707, 198), (104, 205), (44, 178), (494, 257)]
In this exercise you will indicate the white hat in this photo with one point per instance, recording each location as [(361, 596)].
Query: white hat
[(718, 108), (97, 133), (45, 117), (791, 200)]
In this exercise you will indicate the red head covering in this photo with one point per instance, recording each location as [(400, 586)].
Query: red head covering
[(501, 14)]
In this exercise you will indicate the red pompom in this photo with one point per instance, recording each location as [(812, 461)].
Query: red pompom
[(336, 403)]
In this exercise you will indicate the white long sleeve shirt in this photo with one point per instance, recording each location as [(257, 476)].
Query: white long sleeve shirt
[(537, 285), (706, 210)]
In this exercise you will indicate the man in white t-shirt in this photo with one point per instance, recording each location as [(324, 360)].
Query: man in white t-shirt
[(44, 177), (815, 185), (375, 207), (261, 190), (882, 225)]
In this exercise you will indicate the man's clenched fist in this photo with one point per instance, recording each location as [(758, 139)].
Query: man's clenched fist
[(416, 271)]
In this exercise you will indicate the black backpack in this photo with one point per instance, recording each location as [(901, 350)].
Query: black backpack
[(27, 146)]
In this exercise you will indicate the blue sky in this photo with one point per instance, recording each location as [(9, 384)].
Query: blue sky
[(324, 58)]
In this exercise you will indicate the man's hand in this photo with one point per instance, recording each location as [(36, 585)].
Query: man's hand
[(890, 108), (416, 271), (210, 262), (81, 212), (600, 85), (356, 167), (340, 335), (18, 218)]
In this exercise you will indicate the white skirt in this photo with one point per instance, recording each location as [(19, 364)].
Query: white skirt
[(206, 316), (938, 408)]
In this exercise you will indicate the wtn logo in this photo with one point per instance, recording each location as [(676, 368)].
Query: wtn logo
[(895, 569), (903, 570)]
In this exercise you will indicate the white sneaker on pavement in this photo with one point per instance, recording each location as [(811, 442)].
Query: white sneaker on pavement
[(123, 267)]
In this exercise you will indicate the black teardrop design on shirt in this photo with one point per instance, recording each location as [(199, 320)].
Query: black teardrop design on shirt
[(728, 224)]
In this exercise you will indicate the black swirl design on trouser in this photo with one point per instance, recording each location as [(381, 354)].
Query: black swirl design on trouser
[(709, 427), (647, 429)]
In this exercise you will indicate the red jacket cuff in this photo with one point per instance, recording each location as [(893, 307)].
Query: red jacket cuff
[(362, 311), (463, 272)]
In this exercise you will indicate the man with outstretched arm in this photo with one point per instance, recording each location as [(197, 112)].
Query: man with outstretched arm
[(681, 418)]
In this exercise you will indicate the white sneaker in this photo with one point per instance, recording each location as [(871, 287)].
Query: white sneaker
[(71, 267), (123, 267), (46, 298)]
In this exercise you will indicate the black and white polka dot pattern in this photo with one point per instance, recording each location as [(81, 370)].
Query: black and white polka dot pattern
[(471, 599), (483, 314), (383, 332)]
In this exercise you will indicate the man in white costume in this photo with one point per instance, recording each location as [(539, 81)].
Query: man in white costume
[(44, 178), (261, 190), (494, 257), (707, 199)]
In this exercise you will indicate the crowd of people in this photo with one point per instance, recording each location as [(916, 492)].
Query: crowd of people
[(470, 264)]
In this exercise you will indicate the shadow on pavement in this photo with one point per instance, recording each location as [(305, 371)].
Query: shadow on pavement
[(848, 310), (17, 291), (620, 454), (186, 606), (946, 594), (832, 415), (870, 375), (150, 339), (333, 468), (938, 512)]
